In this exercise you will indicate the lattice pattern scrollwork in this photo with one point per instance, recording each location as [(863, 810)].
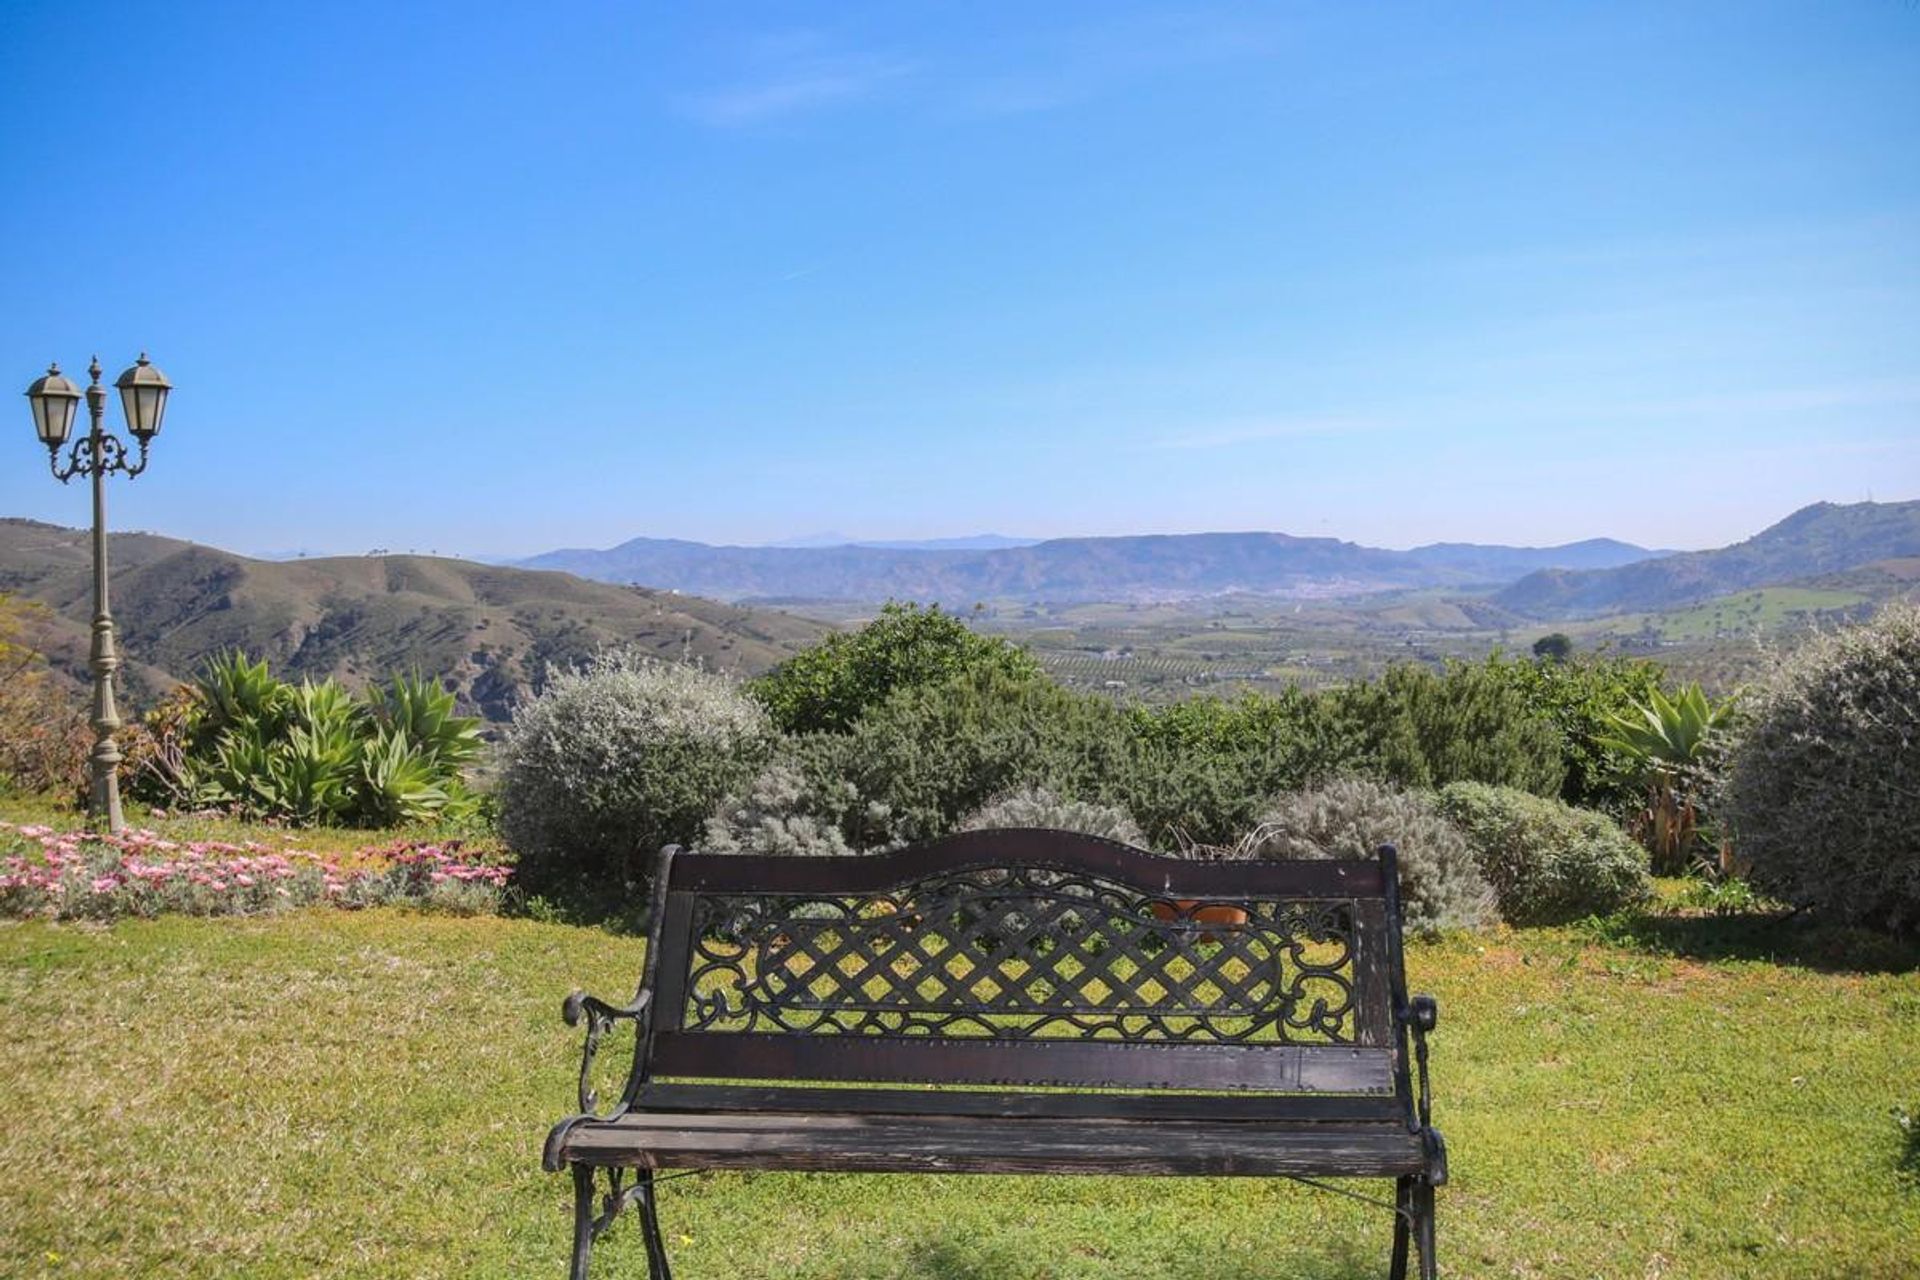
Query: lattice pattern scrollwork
[(1023, 952)]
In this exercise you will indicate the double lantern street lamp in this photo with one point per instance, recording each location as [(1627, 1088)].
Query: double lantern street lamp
[(143, 398)]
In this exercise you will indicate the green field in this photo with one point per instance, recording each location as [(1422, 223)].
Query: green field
[(333, 1094), (1770, 609)]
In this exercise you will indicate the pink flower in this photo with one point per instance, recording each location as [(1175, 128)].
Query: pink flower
[(105, 884)]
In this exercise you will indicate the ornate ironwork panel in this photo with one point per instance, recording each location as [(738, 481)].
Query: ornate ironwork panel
[(1023, 952)]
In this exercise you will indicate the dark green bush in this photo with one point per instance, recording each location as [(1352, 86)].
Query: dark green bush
[(1440, 887), (1203, 768), (830, 686), (1470, 723), (1583, 699), (1547, 861), (614, 760), (932, 753), (1823, 784)]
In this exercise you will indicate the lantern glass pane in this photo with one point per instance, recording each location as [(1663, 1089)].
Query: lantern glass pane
[(157, 400), (52, 418), (143, 406)]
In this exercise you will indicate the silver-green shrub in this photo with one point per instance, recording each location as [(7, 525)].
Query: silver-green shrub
[(1440, 887), (1040, 807), (617, 758), (782, 811), (1547, 861), (1823, 784)]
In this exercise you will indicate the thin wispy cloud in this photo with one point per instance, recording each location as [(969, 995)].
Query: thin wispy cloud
[(1227, 435), (1087, 62), (792, 75)]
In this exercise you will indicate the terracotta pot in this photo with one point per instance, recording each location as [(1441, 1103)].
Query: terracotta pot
[(1189, 910)]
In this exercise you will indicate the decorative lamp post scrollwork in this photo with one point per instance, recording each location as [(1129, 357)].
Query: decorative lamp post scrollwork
[(143, 399)]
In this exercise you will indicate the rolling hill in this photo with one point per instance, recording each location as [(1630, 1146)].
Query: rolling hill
[(1816, 541), (489, 630), (1142, 569)]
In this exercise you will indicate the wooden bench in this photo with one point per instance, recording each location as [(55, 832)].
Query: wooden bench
[(1078, 1006)]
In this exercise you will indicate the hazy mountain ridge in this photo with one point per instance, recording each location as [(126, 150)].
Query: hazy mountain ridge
[(488, 630), (969, 542), (1149, 567), (1821, 539), (1493, 562)]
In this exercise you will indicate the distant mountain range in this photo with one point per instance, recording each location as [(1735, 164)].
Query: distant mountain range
[(1067, 570), (491, 629), (972, 542), (488, 630), (1814, 542)]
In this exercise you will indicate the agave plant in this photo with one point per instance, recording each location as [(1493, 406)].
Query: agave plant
[(424, 711), (234, 691), (315, 753), (401, 779), (1667, 745)]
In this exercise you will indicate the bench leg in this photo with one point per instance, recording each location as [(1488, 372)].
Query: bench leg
[(1423, 1230), (588, 1226), (1402, 1228), (583, 1231), (657, 1268)]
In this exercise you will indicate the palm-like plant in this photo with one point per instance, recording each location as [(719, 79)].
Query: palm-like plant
[(1667, 745)]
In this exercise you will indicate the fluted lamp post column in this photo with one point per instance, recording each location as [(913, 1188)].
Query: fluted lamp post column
[(143, 399)]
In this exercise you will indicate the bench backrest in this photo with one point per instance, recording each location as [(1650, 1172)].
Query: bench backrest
[(1030, 958)]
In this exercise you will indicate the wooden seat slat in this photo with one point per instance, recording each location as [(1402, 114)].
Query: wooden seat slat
[(956, 1144), (1238, 1108), (1092, 1064)]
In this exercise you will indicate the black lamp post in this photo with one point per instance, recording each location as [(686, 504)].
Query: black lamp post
[(143, 399)]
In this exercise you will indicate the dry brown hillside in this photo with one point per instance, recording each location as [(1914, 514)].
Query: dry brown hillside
[(490, 631)]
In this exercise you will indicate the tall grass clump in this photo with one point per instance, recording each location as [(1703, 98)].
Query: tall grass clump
[(617, 758), (1823, 784)]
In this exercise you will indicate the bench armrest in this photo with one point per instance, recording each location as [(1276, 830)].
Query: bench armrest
[(600, 1017), (1422, 1015)]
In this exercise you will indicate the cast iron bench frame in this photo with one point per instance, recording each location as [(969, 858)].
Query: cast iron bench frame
[(1089, 1008)]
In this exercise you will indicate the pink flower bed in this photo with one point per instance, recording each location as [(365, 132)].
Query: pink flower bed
[(67, 874)]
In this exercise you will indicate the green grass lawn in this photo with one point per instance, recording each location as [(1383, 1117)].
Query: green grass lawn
[(333, 1094)]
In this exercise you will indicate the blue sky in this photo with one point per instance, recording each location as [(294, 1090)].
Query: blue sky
[(491, 279)]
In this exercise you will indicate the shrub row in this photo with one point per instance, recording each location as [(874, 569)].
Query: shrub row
[(623, 756)]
